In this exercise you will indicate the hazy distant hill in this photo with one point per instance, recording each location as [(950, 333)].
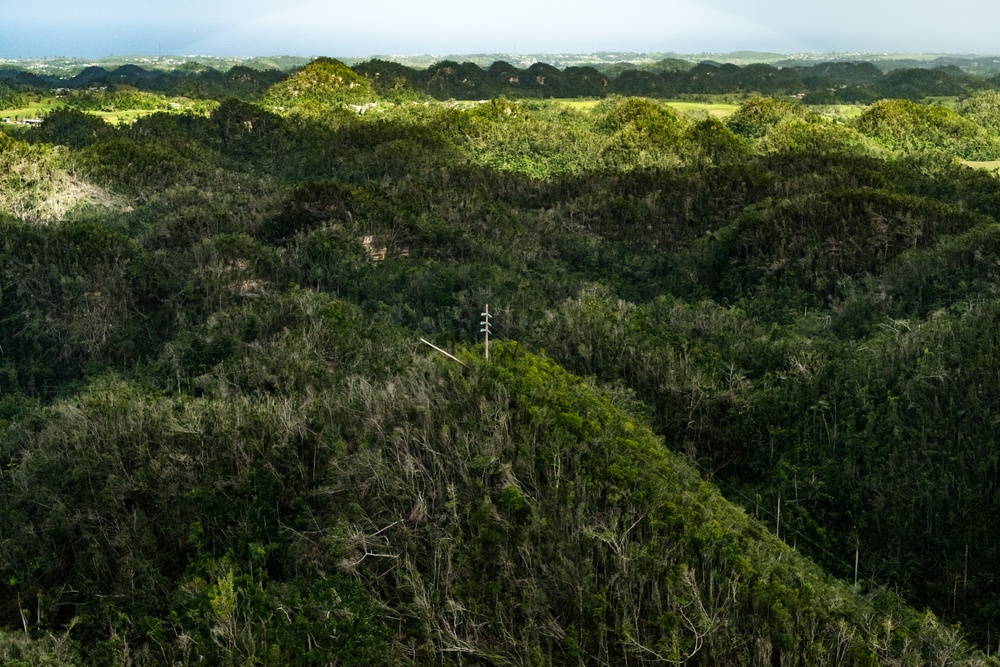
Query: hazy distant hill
[(68, 67)]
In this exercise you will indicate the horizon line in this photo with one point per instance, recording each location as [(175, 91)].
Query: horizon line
[(791, 55)]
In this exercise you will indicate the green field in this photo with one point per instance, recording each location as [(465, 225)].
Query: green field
[(949, 101), (126, 116), (990, 165), (722, 106), (717, 109), (36, 109), (838, 111), (584, 104), (41, 107), (723, 109)]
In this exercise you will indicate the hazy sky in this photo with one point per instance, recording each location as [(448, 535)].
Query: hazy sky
[(340, 28)]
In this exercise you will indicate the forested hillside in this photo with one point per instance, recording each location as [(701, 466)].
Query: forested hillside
[(739, 405), (132, 86)]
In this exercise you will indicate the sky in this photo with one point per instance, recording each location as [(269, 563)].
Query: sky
[(32, 28)]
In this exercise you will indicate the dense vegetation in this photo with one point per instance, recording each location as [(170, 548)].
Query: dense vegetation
[(223, 441), (822, 83)]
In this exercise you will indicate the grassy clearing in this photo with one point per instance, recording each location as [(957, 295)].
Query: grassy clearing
[(14, 130), (989, 165), (716, 109), (41, 107), (127, 116), (722, 106), (718, 106), (949, 101), (842, 112), (35, 109), (110, 117), (585, 104)]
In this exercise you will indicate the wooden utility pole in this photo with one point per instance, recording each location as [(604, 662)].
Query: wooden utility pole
[(965, 577), (857, 555), (485, 324), (777, 523)]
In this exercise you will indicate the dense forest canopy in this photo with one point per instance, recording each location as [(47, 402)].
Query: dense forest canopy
[(739, 407)]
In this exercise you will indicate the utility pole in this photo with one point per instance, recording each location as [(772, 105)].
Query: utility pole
[(857, 555), (777, 523), (485, 324)]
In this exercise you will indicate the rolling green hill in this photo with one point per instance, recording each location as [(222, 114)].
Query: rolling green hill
[(321, 86)]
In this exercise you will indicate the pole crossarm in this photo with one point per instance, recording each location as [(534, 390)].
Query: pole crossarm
[(485, 324)]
